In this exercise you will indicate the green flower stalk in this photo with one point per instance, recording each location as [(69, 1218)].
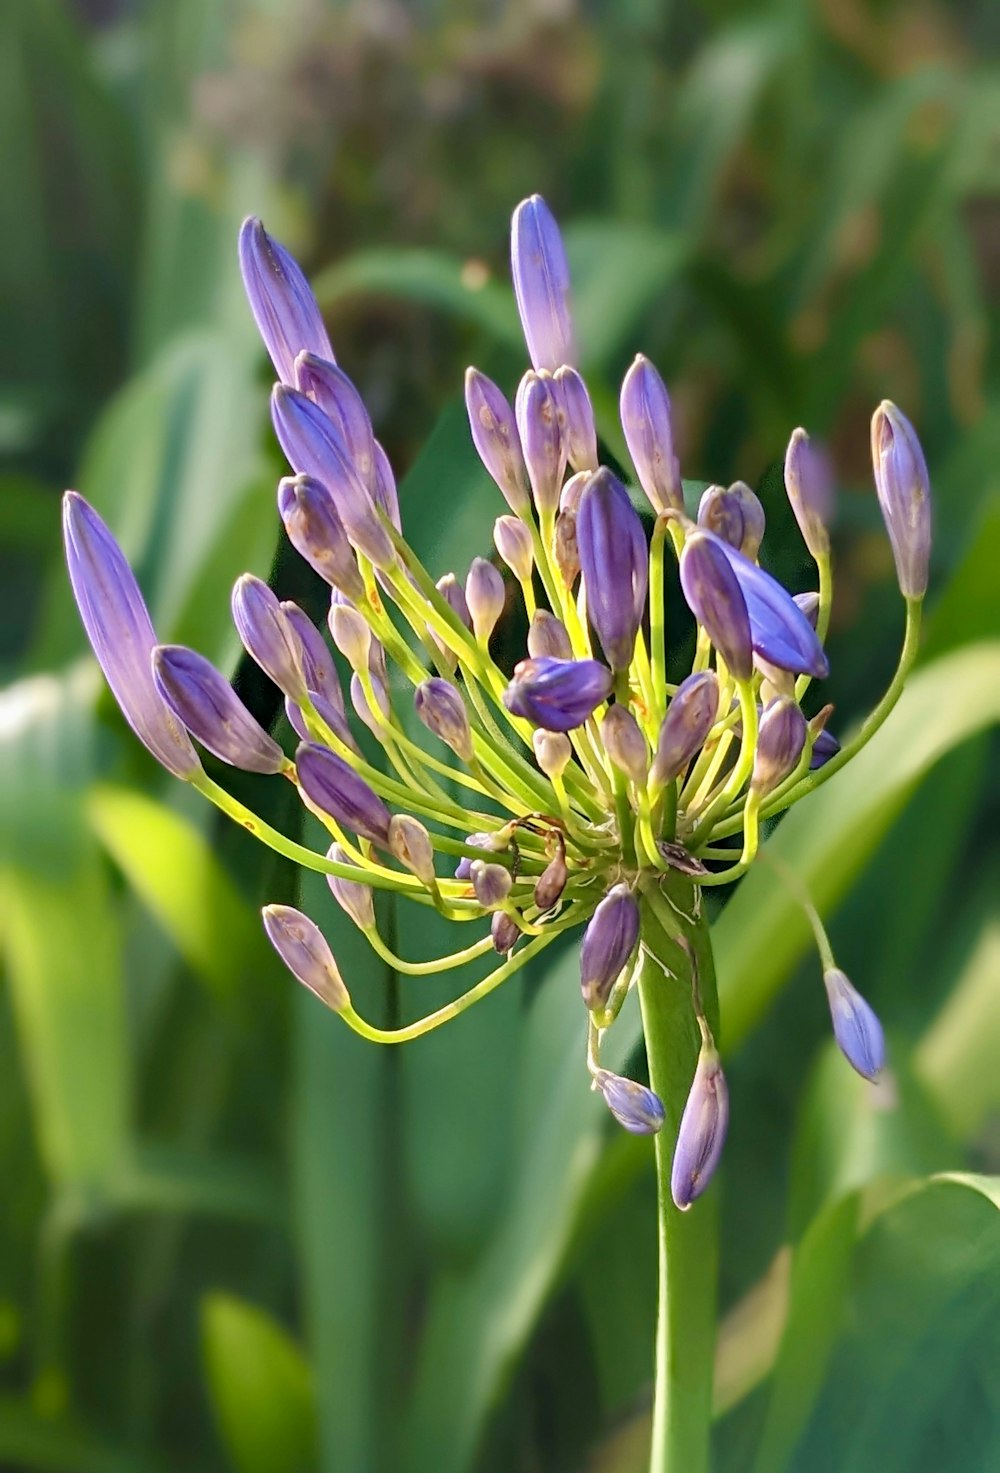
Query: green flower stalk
[(579, 791)]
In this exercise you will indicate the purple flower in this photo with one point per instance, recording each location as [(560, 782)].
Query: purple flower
[(576, 413), (442, 710), (557, 695), (333, 785), (281, 300), (714, 597), (317, 663), (495, 436), (121, 634), (633, 1105), (780, 740), (683, 731), (332, 391), (202, 698), (809, 487), (904, 494), (304, 950), (702, 1131), (537, 412), (645, 416), (611, 936), (315, 530), (615, 563), (855, 1027), (267, 635), (541, 284), (351, 895)]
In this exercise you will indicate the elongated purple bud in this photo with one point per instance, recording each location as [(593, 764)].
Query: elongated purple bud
[(904, 494), (547, 636), (702, 1131), (330, 714), (352, 896), (513, 543), (121, 634), (558, 695), (202, 698), (809, 487), (576, 413), (484, 598), (463, 870), (551, 882), (684, 730), (780, 740), (305, 952), (281, 300), (410, 843), (441, 708), (504, 932), (495, 436), (614, 560), (636, 1108), (267, 635), (537, 411), (454, 596), (329, 387), (754, 520), (541, 284), (351, 635), (625, 743), (315, 530), (646, 421), (491, 883), (714, 597), (333, 786), (314, 448), (611, 936), (317, 663), (552, 751), (855, 1027)]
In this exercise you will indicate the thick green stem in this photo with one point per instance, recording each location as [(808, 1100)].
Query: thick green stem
[(675, 941)]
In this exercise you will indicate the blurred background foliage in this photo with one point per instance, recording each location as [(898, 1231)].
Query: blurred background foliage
[(233, 1236)]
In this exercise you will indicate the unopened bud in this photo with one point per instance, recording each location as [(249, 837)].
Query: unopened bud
[(267, 635), (702, 1131), (484, 597), (552, 881), (780, 740), (441, 709), (809, 487), (491, 883), (505, 932), (304, 950), (495, 436), (513, 543), (411, 844), (541, 284), (636, 1108), (203, 700), (351, 895), (552, 751), (547, 636), (855, 1027), (904, 494), (625, 743), (610, 938), (566, 549), (577, 419), (646, 421), (538, 423), (351, 635), (683, 731)]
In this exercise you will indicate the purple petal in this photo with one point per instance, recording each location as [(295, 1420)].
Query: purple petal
[(541, 284), (281, 300)]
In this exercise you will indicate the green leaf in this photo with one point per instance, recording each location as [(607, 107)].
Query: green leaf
[(618, 270), (261, 1388), (956, 1058)]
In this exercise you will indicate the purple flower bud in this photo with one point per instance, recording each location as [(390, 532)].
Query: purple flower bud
[(754, 520), (315, 530), (684, 730), (386, 495), (454, 596), (491, 883), (484, 597), (317, 664), (359, 700), (809, 487), (714, 597), (541, 284), (615, 563), (855, 1027), (330, 714), (314, 448), (505, 932), (304, 950), (335, 788), (702, 1131), (410, 843), (633, 1105), (494, 434), (441, 708), (267, 635), (463, 870), (121, 634), (566, 548), (722, 513), (202, 698), (547, 636), (809, 604), (611, 936), (351, 635), (569, 496), (332, 391), (351, 895), (780, 740), (645, 416), (904, 494), (551, 882), (552, 751), (281, 300), (824, 747), (513, 543), (625, 743), (558, 695), (576, 413), (537, 412)]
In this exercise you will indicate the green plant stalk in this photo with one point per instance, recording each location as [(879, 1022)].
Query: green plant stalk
[(672, 920)]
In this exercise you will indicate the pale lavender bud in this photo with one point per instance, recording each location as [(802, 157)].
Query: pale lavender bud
[(551, 882), (491, 883), (855, 1027), (615, 562), (809, 487), (537, 413), (754, 520), (335, 788), (572, 490), (202, 698), (633, 1105), (577, 419), (702, 1131), (317, 663), (625, 743), (685, 728), (351, 635), (305, 952), (495, 436), (714, 597), (121, 634), (552, 751), (547, 636), (454, 596), (359, 700), (281, 300), (558, 695), (780, 740), (410, 843), (904, 494), (513, 543), (646, 421), (315, 530), (441, 709), (722, 513), (611, 936), (484, 597), (505, 932), (463, 870), (541, 284), (333, 392), (566, 548), (267, 635), (351, 895)]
